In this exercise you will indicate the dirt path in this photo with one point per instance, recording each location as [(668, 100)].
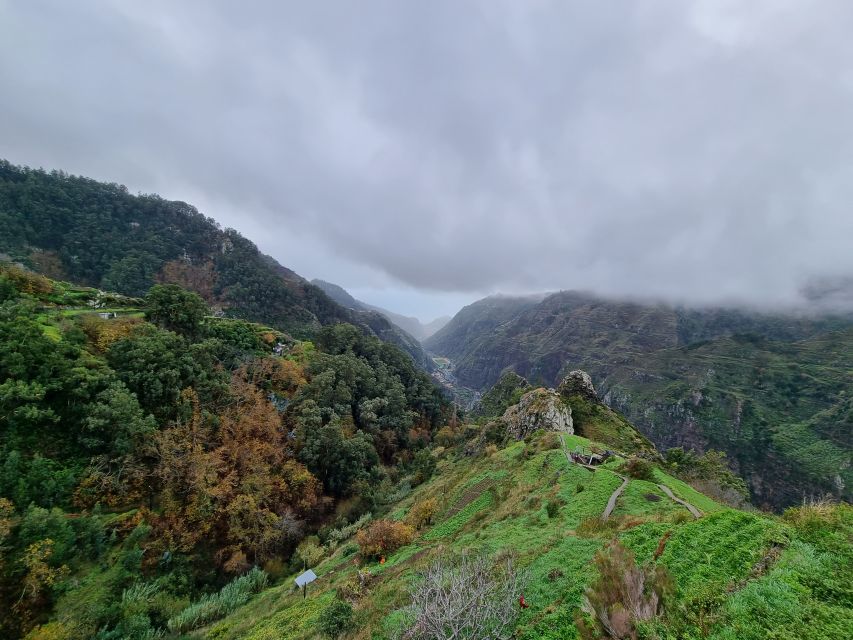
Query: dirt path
[(696, 513), (611, 504)]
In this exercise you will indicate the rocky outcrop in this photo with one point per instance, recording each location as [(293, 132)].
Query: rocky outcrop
[(578, 383), (538, 409)]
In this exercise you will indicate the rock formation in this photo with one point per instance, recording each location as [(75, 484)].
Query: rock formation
[(579, 383), (538, 409)]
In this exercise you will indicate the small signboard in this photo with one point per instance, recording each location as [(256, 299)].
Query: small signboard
[(306, 578), (303, 580)]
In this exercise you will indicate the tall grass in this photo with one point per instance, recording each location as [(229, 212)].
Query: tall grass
[(336, 536), (213, 606)]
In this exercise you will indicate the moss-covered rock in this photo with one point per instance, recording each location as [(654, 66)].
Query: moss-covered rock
[(538, 409)]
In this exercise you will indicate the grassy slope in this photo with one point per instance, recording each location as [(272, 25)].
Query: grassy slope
[(775, 392), (712, 560)]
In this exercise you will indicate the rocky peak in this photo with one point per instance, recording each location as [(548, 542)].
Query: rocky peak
[(578, 383), (538, 409)]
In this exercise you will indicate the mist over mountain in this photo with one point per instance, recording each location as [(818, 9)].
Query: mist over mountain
[(576, 362), (770, 389), (411, 325), (98, 234)]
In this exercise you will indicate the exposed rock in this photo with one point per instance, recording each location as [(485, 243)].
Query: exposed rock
[(578, 382), (538, 409)]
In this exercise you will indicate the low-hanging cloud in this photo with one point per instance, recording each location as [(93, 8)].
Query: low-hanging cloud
[(692, 150)]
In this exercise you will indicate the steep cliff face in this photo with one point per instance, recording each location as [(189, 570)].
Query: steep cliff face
[(537, 339), (541, 339), (781, 411)]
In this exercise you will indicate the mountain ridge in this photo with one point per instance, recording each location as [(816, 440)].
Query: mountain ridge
[(410, 324), (751, 384), (98, 234)]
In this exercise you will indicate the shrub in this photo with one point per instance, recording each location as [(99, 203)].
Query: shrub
[(336, 536), (445, 437), (471, 598), (638, 468), (309, 552), (211, 607), (356, 586), (51, 631), (336, 619), (423, 466), (680, 517), (422, 513), (382, 537), (552, 507), (622, 595)]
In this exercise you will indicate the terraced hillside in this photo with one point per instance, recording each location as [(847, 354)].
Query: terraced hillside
[(771, 390), (529, 500)]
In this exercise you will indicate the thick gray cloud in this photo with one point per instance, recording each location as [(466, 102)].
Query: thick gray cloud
[(698, 150)]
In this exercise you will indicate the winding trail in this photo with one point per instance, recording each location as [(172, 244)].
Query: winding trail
[(696, 513), (611, 503)]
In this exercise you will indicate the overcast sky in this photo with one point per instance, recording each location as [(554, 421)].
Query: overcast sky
[(423, 154)]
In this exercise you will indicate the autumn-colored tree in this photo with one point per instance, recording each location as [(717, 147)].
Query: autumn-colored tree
[(200, 278), (39, 577), (189, 476), (422, 513), (238, 484), (382, 537), (27, 281), (7, 511), (103, 333), (275, 374)]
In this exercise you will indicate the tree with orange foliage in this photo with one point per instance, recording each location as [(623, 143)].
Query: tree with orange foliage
[(237, 483), (382, 537)]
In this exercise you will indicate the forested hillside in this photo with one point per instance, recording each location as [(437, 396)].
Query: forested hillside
[(98, 234), (147, 447), (771, 390), (402, 326), (408, 324), (519, 535)]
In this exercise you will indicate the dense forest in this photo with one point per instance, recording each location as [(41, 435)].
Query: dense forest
[(98, 234), (146, 443)]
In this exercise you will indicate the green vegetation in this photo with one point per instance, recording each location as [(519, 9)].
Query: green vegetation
[(150, 466), (506, 392), (774, 392), (598, 422), (72, 228), (187, 461), (726, 569), (214, 606)]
